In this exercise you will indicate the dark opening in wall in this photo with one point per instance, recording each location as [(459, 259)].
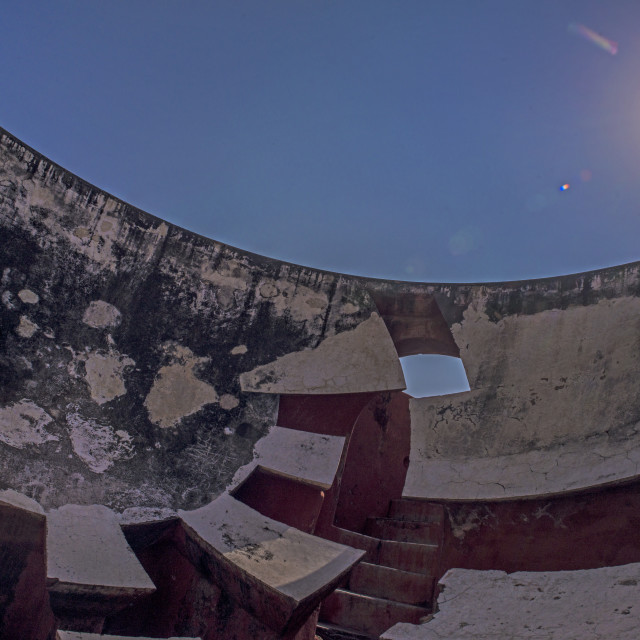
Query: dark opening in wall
[(433, 375)]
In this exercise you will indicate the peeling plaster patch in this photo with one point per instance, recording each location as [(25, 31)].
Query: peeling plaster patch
[(228, 402), (350, 308), (28, 297), (23, 423), (269, 290), (97, 445), (302, 303), (363, 359), (176, 392), (101, 314), (26, 328), (239, 350), (468, 519), (227, 282), (104, 373), (81, 232), (6, 300)]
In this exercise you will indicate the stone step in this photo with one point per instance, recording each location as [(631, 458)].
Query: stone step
[(328, 631), (367, 614), (368, 544), (392, 584), (404, 530), (408, 556), (91, 570), (79, 635), (275, 572), (417, 510)]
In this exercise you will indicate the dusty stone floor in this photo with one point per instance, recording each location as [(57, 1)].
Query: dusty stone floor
[(595, 604)]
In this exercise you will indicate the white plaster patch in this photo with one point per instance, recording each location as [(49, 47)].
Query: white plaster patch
[(239, 350), (176, 392), (23, 423), (228, 402), (97, 445), (363, 359), (28, 297), (100, 315), (104, 374), (81, 232), (26, 328)]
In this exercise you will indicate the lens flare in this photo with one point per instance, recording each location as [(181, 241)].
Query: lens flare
[(600, 41), (565, 186)]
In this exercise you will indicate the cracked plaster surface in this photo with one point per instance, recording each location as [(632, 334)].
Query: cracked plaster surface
[(593, 604), (600, 460)]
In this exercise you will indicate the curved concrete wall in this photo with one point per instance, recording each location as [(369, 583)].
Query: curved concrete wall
[(140, 362)]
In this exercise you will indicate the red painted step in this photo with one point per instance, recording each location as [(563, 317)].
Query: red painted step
[(367, 614), (357, 541), (408, 556), (403, 509), (404, 530), (391, 584)]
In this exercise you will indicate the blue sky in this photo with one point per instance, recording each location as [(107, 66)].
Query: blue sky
[(408, 139), (413, 140)]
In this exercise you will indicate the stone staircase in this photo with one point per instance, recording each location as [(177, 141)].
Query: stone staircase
[(395, 581)]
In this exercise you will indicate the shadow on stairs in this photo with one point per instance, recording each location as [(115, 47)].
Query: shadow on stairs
[(395, 580)]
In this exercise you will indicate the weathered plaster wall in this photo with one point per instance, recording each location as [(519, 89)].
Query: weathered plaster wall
[(550, 364), (123, 340)]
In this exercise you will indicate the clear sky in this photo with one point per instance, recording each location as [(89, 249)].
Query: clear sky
[(405, 139)]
